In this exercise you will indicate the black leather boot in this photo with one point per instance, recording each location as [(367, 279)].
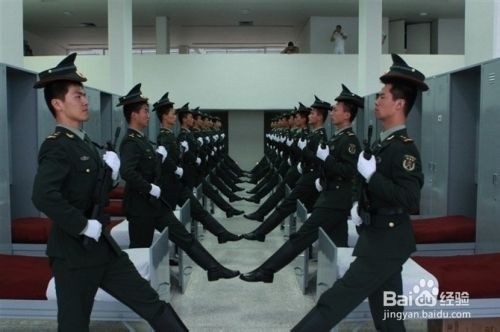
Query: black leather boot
[(233, 212), (206, 261), (313, 321), (254, 236), (228, 236), (254, 216), (273, 264), (168, 320)]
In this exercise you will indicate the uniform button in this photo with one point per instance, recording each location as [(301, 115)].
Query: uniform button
[(337, 187), (391, 224), (87, 170)]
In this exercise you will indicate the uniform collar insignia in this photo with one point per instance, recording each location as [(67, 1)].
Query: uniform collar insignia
[(84, 158)]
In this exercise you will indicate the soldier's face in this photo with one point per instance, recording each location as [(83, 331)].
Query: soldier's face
[(339, 115), (189, 120), (142, 116), (75, 106), (314, 117), (170, 116), (386, 107)]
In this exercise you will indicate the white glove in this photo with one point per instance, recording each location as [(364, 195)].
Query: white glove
[(179, 172), (223, 135), (111, 159), (161, 150), (206, 158), (198, 161), (155, 190), (93, 229), (319, 188), (200, 140), (299, 167), (216, 137), (212, 153), (207, 139), (185, 145), (281, 153), (289, 161), (289, 142), (302, 143), (355, 218), (215, 149), (366, 167), (322, 153)]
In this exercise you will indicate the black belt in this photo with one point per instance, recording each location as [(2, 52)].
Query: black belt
[(388, 211)]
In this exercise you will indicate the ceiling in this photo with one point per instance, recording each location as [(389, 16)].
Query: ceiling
[(40, 15)]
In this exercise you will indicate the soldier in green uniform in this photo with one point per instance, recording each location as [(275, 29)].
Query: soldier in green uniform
[(394, 178), (141, 169), (68, 168), (338, 160), (292, 175), (308, 167), (174, 191)]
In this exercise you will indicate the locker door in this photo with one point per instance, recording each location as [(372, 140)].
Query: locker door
[(93, 125), (5, 239), (118, 120), (488, 198), (441, 145), (427, 147)]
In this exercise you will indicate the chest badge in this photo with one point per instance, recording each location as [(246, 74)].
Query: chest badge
[(352, 148), (409, 162), (84, 158)]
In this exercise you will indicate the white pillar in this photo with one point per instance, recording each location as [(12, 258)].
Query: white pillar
[(162, 35), (370, 46), (120, 45), (482, 30), (11, 33)]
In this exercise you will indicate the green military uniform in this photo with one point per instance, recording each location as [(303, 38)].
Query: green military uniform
[(64, 186), (330, 210), (304, 189), (387, 241), (140, 167), (175, 192)]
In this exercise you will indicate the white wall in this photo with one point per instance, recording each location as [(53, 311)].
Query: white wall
[(246, 137), (240, 81), (322, 29), (482, 30), (385, 31), (41, 46), (304, 39), (418, 38), (450, 36), (397, 37)]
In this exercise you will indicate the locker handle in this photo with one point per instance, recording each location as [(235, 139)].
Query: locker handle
[(495, 179)]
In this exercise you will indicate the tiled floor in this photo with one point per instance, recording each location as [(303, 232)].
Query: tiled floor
[(230, 305)]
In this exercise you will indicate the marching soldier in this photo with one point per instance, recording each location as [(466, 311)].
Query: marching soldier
[(331, 209), (144, 204), (174, 190), (82, 253), (394, 178)]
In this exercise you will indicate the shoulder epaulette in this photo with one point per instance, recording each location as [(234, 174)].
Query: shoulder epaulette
[(69, 135), (54, 135), (350, 133), (405, 139)]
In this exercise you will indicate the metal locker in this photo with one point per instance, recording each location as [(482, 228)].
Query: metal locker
[(118, 120), (488, 198), (23, 140), (5, 239), (106, 117), (93, 126), (441, 135), (427, 147)]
